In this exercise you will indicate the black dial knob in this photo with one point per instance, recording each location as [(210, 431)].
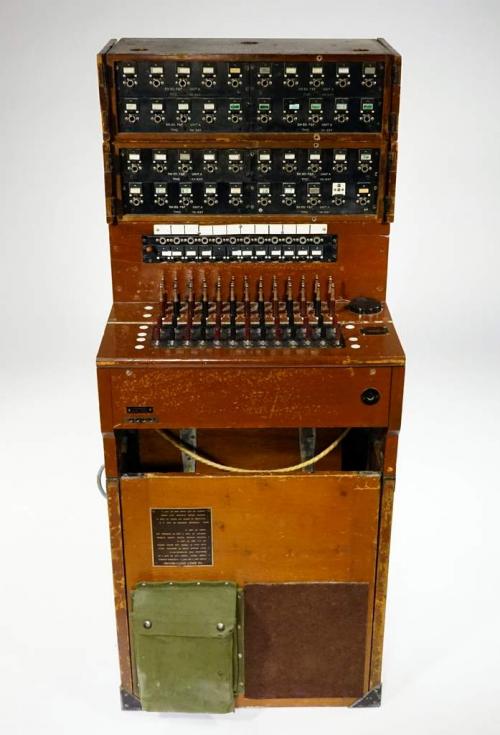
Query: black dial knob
[(370, 396), (365, 305)]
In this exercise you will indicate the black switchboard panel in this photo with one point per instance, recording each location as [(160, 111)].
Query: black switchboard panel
[(243, 181), (209, 96), (236, 248)]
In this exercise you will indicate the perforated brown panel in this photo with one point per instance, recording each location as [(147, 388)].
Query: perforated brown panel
[(305, 640)]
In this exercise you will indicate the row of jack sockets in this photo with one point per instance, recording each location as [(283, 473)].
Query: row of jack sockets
[(212, 76), (264, 196), (326, 112), (147, 163)]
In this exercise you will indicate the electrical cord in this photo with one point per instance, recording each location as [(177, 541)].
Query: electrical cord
[(227, 468)]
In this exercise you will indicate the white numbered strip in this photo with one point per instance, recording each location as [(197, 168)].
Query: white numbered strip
[(242, 229)]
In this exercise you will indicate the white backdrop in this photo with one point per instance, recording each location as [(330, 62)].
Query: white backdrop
[(58, 663)]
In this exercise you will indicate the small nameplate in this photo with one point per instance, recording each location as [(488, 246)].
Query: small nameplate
[(182, 537)]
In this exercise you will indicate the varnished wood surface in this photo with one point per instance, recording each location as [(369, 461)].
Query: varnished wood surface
[(251, 48), (118, 347), (250, 397), (360, 269), (318, 527), (119, 582)]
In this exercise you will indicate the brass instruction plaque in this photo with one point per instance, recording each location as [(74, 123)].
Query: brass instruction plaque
[(182, 537)]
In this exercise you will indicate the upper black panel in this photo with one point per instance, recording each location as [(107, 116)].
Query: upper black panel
[(234, 96)]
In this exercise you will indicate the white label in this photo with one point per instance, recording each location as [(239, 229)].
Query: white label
[(343, 70), (261, 229), (209, 106), (177, 229), (135, 189), (156, 69), (289, 229), (341, 105), (291, 70), (317, 70), (234, 157), (338, 188), (191, 229), (157, 106), (319, 229), (208, 70), (162, 229), (161, 190), (289, 190), (264, 156), (183, 106), (219, 229), (129, 69), (183, 70), (290, 156), (134, 157), (131, 106), (160, 156), (366, 156), (209, 157), (340, 156), (314, 156)]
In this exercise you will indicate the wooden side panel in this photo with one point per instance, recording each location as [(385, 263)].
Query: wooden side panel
[(384, 540), (121, 605)]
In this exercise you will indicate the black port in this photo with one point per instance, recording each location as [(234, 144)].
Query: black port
[(370, 396), (374, 330)]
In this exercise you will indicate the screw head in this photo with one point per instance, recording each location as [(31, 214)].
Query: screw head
[(220, 626), (147, 624)]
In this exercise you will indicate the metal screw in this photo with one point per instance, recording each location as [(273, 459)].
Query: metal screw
[(220, 626), (147, 624)]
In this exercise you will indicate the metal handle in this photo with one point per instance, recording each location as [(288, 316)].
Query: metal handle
[(99, 481)]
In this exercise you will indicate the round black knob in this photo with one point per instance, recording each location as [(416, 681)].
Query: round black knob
[(370, 396), (365, 305)]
